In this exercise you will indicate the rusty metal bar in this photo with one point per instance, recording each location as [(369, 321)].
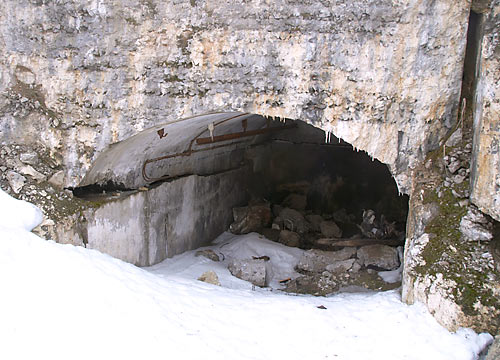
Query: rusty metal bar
[(187, 152), (201, 141)]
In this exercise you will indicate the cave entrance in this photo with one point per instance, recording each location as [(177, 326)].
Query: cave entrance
[(323, 177), (178, 186)]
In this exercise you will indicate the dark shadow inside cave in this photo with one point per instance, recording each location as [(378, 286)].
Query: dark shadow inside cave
[(309, 190), (299, 169)]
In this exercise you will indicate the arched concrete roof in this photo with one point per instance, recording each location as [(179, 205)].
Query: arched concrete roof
[(200, 145)]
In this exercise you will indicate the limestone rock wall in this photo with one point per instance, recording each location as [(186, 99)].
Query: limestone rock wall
[(486, 162), (451, 262), (76, 76)]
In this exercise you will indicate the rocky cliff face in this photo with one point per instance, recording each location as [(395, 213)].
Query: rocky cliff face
[(79, 75), (486, 165), (452, 259), (385, 76)]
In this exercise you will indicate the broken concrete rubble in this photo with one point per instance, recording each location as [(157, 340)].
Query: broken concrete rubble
[(317, 260), (315, 221), (340, 266), (382, 257), (289, 238), (16, 181), (294, 220), (329, 229), (251, 270), (250, 218)]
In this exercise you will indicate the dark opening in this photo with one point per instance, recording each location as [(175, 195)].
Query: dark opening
[(300, 170), (287, 180), (471, 65), (310, 190)]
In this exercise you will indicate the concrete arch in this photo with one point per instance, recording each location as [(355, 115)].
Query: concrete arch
[(172, 187), (200, 145)]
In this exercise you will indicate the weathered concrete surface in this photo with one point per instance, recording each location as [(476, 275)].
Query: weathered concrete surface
[(76, 76), (486, 161), (146, 227), (171, 150)]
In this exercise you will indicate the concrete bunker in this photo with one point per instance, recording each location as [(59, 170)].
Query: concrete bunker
[(177, 186)]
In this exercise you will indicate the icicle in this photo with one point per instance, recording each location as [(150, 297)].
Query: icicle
[(211, 128)]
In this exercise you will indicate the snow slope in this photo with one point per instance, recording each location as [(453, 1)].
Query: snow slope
[(66, 302)]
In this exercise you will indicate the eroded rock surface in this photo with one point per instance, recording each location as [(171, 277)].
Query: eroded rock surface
[(86, 76), (449, 261)]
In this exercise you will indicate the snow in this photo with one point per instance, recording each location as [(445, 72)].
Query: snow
[(18, 214), (392, 276), (282, 260), (65, 302)]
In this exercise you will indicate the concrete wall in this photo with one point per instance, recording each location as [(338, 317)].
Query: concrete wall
[(146, 227)]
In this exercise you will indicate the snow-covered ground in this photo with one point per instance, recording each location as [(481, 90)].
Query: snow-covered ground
[(66, 302)]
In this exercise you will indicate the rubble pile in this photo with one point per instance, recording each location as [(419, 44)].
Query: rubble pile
[(343, 251)]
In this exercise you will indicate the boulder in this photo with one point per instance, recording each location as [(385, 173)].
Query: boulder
[(210, 277), (380, 256), (294, 220), (289, 238), (28, 170), (16, 181), (341, 266), (253, 270), (250, 218), (277, 223), (57, 180), (330, 230), (475, 226), (271, 234), (317, 260), (208, 253), (455, 138), (314, 221), (29, 158), (453, 165), (296, 201)]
